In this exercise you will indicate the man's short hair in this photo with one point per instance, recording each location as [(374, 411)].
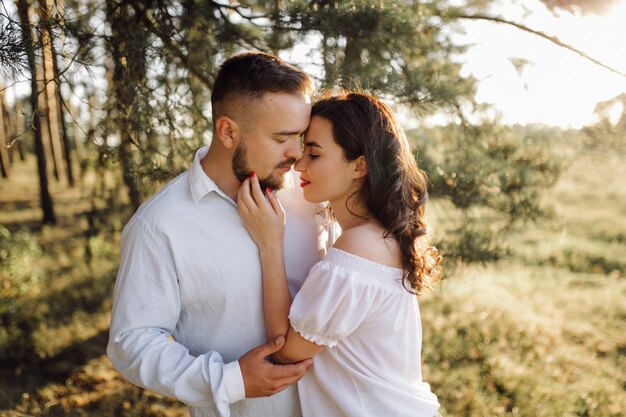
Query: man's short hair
[(252, 74)]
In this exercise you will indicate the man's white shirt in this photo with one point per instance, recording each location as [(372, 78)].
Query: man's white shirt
[(188, 296)]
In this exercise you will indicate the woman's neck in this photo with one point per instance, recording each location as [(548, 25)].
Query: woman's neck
[(356, 215)]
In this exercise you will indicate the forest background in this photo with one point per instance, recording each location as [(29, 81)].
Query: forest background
[(104, 102)]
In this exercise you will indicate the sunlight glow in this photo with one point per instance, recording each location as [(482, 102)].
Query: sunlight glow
[(531, 80)]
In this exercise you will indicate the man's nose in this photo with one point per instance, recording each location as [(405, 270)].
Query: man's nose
[(294, 150)]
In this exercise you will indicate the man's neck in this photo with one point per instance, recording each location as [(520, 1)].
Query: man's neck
[(219, 169)]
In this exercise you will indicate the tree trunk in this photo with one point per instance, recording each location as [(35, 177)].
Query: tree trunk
[(5, 139), (10, 128), (47, 206), (79, 141), (48, 7), (49, 93), (351, 63), (43, 113), (18, 128)]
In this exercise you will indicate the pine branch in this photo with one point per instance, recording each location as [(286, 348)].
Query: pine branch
[(241, 42), (543, 35), (237, 9), (171, 45)]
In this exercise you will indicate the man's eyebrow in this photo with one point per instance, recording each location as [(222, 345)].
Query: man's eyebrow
[(312, 144)]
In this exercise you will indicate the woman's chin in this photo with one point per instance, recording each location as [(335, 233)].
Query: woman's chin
[(312, 198)]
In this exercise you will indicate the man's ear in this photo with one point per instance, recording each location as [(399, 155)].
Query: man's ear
[(227, 131), (360, 167)]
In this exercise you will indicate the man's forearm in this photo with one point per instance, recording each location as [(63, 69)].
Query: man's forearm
[(151, 359)]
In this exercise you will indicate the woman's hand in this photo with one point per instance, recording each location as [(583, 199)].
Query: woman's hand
[(263, 217)]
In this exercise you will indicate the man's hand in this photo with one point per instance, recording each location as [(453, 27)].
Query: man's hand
[(262, 378)]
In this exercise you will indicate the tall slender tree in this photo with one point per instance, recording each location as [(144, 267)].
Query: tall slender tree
[(47, 205), (48, 92), (5, 163), (52, 10)]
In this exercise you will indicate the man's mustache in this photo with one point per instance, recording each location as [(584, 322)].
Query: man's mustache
[(287, 163)]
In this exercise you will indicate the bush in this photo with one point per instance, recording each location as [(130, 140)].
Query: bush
[(493, 177), (19, 252), (19, 275)]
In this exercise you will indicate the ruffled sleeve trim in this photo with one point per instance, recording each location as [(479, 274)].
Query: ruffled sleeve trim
[(317, 339)]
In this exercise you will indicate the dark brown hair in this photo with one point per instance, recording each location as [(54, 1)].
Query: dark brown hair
[(251, 74), (394, 189)]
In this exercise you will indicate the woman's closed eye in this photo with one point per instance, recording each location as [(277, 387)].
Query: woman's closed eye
[(312, 156)]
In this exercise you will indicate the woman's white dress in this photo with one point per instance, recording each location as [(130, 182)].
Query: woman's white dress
[(371, 325)]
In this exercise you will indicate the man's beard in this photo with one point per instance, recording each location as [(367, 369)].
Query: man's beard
[(242, 170)]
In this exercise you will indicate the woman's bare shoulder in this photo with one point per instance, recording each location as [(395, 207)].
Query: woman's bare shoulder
[(367, 241)]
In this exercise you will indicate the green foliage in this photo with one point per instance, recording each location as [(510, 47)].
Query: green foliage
[(392, 49), (19, 275), (12, 52), (19, 252), (584, 261), (489, 166), (398, 50), (493, 176), (162, 57), (163, 66), (47, 283), (472, 242)]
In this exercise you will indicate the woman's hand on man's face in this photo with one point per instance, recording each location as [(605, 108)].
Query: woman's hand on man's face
[(262, 213)]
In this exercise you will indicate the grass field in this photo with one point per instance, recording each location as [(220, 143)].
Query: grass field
[(541, 333)]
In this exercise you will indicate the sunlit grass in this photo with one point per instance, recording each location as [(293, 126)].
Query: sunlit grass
[(543, 332), (513, 340), (589, 231)]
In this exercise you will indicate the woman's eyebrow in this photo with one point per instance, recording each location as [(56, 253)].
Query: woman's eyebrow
[(312, 144)]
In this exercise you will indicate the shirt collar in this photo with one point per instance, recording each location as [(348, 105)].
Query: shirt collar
[(200, 183)]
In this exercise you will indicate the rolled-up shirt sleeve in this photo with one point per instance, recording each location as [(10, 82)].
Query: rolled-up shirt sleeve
[(146, 308)]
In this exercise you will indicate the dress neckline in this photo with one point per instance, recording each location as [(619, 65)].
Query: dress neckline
[(360, 263)]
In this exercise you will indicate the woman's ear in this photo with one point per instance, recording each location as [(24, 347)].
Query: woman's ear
[(226, 130), (360, 167)]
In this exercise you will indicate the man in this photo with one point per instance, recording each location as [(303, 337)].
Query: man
[(187, 316)]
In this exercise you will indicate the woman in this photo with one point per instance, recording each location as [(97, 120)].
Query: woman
[(356, 312)]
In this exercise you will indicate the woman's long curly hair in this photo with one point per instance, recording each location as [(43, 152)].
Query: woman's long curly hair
[(394, 189)]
